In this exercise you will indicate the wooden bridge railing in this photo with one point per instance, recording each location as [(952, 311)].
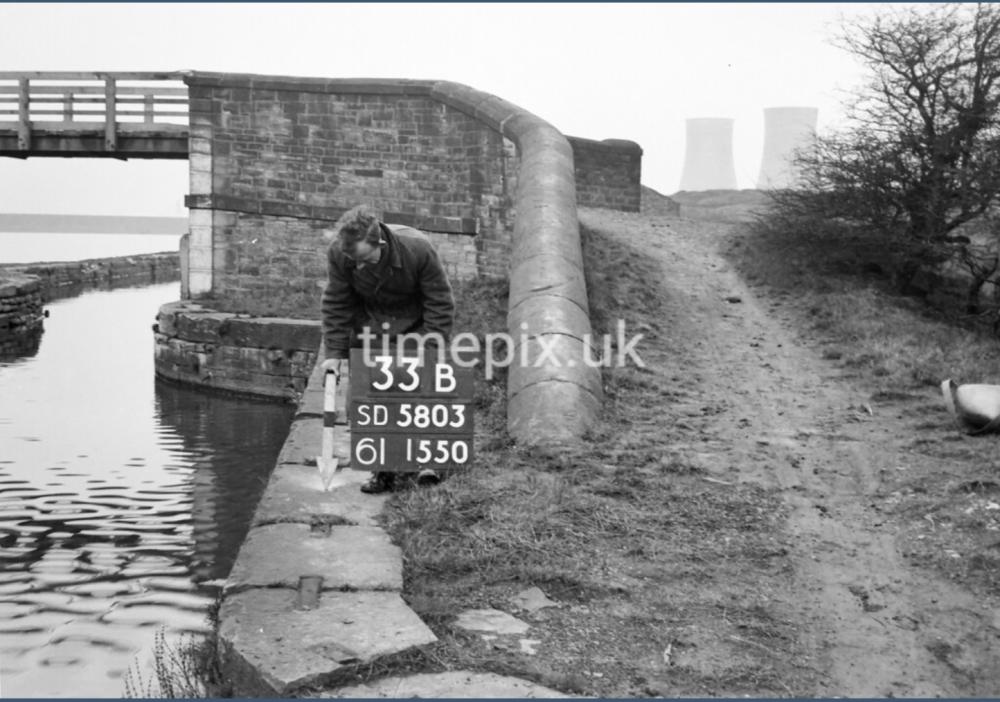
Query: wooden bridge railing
[(112, 103)]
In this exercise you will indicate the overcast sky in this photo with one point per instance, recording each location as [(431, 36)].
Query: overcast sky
[(628, 71)]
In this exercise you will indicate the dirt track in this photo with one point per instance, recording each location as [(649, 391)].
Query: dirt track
[(763, 407)]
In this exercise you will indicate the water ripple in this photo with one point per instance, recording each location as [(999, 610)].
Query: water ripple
[(115, 502)]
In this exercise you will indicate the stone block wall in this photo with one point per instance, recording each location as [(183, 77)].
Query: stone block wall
[(258, 356), (460, 255), (607, 173), (63, 279), (275, 161), (20, 315)]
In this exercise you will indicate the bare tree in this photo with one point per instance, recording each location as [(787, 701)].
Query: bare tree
[(920, 156)]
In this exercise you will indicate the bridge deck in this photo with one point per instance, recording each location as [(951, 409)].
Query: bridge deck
[(111, 115), (133, 141)]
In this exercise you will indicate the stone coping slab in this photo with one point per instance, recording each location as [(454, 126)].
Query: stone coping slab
[(12, 284), (278, 648), (349, 557), (305, 440), (454, 684), (194, 322), (295, 494)]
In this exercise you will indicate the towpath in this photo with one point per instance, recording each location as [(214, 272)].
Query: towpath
[(784, 418)]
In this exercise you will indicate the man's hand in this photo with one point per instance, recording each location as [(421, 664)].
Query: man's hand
[(337, 366)]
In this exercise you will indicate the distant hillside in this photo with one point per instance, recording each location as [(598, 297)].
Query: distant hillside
[(721, 205), (92, 224)]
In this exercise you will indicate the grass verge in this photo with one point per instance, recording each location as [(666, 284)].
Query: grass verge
[(663, 581), (839, 279), (833, 283)]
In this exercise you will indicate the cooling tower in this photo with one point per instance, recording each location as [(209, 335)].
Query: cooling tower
[(708, 155), (785, 130)]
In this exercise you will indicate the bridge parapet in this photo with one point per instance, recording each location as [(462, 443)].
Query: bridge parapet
[(275, 159), (118, 115)]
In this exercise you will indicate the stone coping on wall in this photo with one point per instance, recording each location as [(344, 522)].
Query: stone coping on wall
[(610, 144), (193, 321), (234, 353), (14, 283), (63, 278), (557, 403)]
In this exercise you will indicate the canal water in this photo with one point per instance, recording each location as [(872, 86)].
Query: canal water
[(121, 498)]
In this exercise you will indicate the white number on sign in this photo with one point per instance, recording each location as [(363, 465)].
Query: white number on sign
[(443, 452), (440, 451), (368, 453), (439, 418), (423, 416), (423, 451), (411, 368), (384, 366)]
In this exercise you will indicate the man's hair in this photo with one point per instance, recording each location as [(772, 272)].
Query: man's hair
[(359, 223)]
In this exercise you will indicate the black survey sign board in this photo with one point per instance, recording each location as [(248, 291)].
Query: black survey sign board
[(409, 413)]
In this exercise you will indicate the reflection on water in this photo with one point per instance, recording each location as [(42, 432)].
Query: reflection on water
[(118, 496), (232, 445)]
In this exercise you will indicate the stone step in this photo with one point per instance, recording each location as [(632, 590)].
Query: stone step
[(272, 648), (349, 557), (295, 494), (305, 439)]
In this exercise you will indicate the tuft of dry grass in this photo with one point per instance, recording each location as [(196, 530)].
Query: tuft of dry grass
[(188, 668), (840, 278)]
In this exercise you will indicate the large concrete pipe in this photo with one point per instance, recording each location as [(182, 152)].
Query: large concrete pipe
[(555, 400)]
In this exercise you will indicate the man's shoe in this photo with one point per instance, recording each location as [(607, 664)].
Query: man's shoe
[(379, 483), (428, 477)]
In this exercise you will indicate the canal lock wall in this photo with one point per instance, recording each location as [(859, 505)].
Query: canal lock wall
[(316, 585), (268, 357), (25, 288), (20, 315), (65, 279)]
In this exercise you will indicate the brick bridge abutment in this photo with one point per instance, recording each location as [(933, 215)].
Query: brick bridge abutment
[(276, 160)]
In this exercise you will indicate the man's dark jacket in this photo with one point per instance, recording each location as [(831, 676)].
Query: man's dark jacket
[(408, 289)]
